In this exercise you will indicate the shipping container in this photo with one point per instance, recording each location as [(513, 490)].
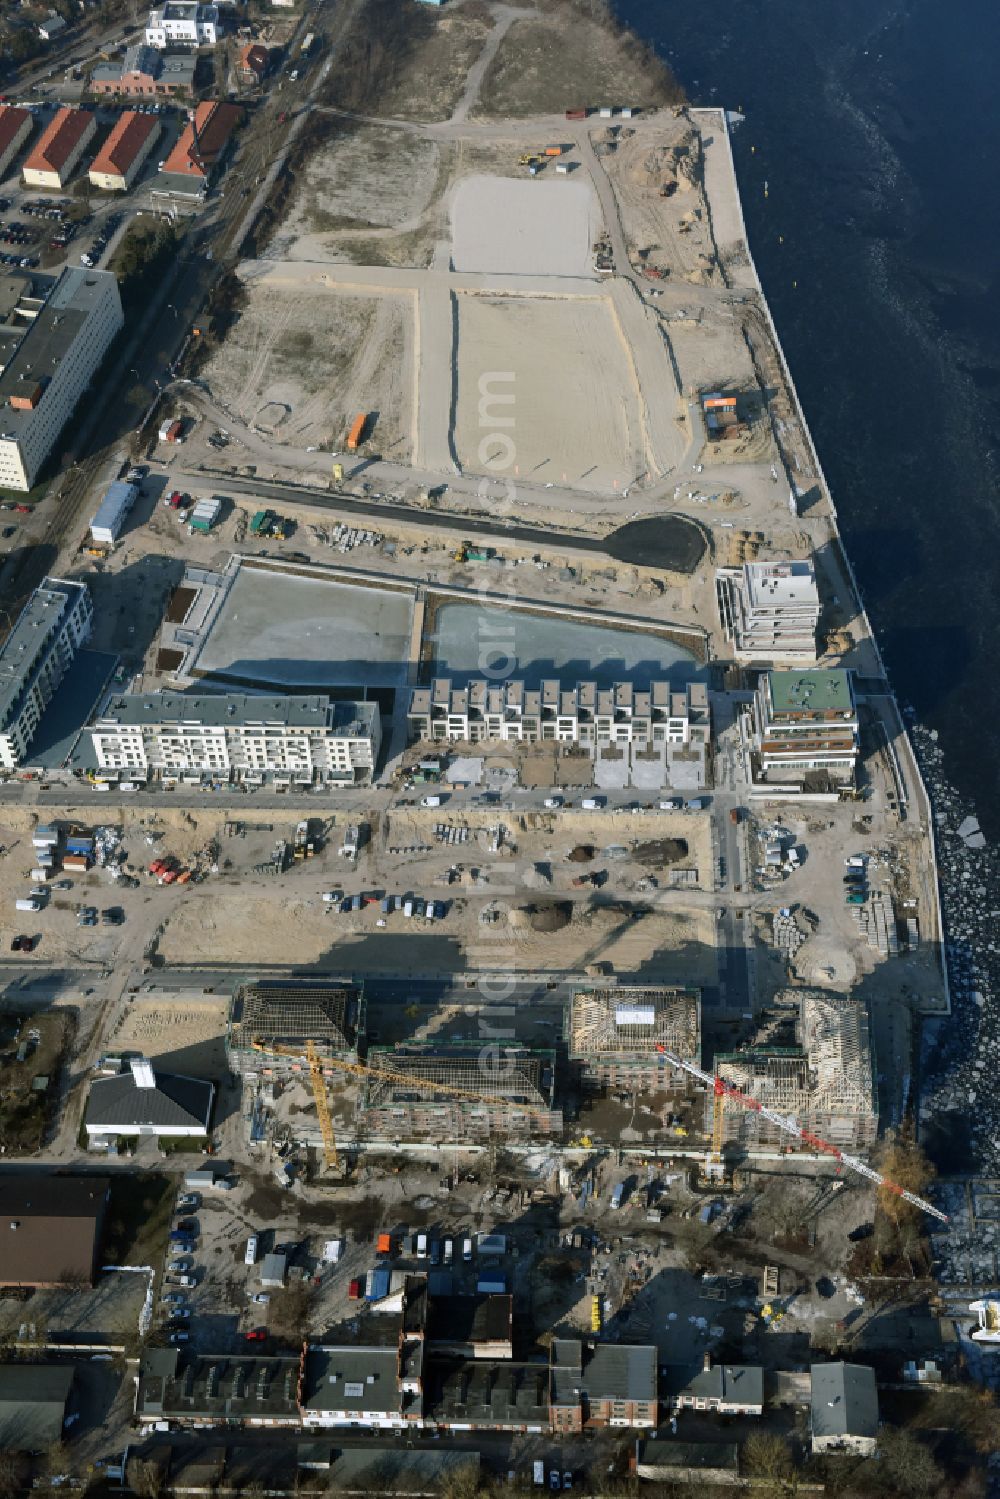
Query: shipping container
[(79, 843), (384, 1244), (576, 114), (356, 434), (377, 1285), (174, 431), (553, 150), (108, 524), (40, 875), (77, 862)]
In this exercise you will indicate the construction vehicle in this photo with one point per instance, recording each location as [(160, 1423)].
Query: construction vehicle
[(723, 1090), (303, 847), (317, 1079), (528, 159)]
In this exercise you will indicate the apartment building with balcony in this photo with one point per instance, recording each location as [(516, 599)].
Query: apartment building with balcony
[(53, 625), (279, 741), (805, 722), (770, 610)]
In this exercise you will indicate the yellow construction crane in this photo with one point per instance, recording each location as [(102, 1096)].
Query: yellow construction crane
[(361, 1069)]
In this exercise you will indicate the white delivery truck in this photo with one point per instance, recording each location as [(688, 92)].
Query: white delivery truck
[(27, 905)]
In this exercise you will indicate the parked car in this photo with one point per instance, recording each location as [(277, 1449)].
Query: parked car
[(178, 1266)]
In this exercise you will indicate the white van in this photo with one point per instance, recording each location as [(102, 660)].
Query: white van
[(449, 1250), (592, 803), (430, 801), (27, 905), (421, 1246), (250, 1258), (467, 1251)]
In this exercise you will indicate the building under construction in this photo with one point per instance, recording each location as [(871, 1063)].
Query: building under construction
[(271, 1024), (824, 1078), (500, 1093), (614, 1036)]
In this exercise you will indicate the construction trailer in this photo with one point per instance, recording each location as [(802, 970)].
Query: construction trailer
[(273, 1026), (506, 1093), (825, 1078), (616, 1035)]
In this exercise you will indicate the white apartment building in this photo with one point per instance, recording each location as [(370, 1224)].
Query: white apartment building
[(279, 741), (183, 23), (47, 366), (770, 610), (50, 629), (805, 721), (587, 715)]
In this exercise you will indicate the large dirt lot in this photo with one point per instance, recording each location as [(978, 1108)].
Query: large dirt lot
[(564, 60), (524, 228), (576, 416), (673, 233), (297, 367), (337, 216)]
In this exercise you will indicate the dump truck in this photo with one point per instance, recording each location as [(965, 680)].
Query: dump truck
[(357, 432), (261, 523)]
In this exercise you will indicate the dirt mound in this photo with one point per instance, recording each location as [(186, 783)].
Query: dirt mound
[(548, 918), (582, 854), (659, 852)]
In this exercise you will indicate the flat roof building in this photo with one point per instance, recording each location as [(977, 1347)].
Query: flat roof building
[(359, 1386), (770, 610), (614, 1036), (53, 625), (183, 23), (283, 741), (59, 148), (48, 365), (16, 126), (50, 1229), (120, 159), (805, 723)]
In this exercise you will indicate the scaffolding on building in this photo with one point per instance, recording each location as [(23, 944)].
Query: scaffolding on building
[(459, 1091), (826, 1080), (271, 1025), (632, 1023)]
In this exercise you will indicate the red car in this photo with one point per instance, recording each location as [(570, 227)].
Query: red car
[(24, 509), (354, 1290), (257, 1335)]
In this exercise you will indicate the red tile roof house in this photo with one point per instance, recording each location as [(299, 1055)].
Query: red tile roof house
[(120, 159), (52, 162), (201, 146), (15, 127)]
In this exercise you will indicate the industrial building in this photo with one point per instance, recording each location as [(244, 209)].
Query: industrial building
[(33, 1401), (586, 715), (120, 159), (51, 628), (724, 1389), (282, 742), (183, 23), (16, 126), (234, 1389), (141, 1101), (271, 1026), (817, 1066), (602, 1384), (770, 610), (146, 73), (499, 1093), (805, 722), (49, 364), (50, 1229), (57, 151), (614, 1036)]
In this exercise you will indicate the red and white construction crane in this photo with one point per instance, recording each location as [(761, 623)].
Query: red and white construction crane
[(721, 1091)]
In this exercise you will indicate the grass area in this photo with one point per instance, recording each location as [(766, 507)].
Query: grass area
[(570, 59), (138, 1218)]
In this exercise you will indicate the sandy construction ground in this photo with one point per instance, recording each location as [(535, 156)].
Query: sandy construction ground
[(297, 367), (675, 232), (337, 216), (524, 227), (576, 413), (190, 1035)]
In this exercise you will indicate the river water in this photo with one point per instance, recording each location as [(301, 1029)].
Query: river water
[(874, 126)]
